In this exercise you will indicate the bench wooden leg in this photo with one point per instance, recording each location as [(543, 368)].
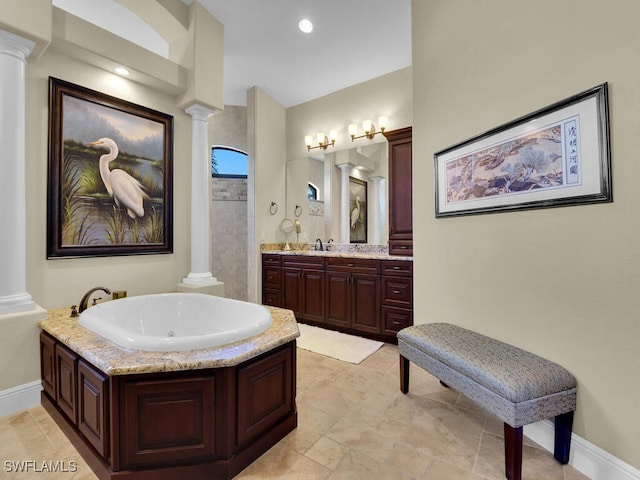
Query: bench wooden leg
[(404, 374), (512, 452), (562, 444)]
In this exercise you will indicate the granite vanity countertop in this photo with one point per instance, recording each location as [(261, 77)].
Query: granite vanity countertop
[(315, 253), (113, 359)]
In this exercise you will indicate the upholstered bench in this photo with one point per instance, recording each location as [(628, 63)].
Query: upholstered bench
[(516, 386)]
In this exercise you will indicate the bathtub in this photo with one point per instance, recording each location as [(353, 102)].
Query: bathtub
[(175, 321)]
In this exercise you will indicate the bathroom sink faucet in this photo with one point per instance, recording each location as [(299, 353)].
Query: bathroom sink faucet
[(327, 245), (319, 245), (85, 298)]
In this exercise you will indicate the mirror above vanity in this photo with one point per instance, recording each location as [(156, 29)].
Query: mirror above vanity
[(321, 185)]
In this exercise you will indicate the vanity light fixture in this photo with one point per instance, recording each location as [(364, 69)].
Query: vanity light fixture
[(323, 141), (369, 128)]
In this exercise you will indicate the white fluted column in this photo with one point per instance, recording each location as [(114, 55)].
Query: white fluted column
[(200, 274), (14, 51), (344, 203), (377, 210)]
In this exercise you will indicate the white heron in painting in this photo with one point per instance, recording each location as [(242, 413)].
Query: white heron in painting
[(355, 214), (126, 191)]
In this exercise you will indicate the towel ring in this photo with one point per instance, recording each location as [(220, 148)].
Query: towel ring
[(298, 211), (273, 209)]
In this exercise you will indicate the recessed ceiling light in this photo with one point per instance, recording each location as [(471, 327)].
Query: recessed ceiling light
[(122, 71), (305, 25)]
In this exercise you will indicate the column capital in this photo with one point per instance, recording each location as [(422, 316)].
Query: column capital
[(16, 46), (345, 167), (199, 112)]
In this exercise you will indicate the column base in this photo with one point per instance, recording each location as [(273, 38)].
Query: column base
[(16, 304), (215, 288)]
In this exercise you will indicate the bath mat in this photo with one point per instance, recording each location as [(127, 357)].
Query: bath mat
[(340, 346)]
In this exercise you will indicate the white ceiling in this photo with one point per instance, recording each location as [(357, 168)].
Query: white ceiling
[(352, 41)]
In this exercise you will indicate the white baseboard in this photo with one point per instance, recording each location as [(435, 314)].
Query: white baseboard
[(15, 399), (585, 457)]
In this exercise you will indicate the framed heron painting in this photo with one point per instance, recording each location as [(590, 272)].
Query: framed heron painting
[(110, 175), (357, 210)]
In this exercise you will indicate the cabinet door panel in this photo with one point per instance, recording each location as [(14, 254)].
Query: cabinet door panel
[(338, 299), (93, 411), (66, 396), (313, 303), (267, 390), (366, 303), (48, 364), (292, 290)]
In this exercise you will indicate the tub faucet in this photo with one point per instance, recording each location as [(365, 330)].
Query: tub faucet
[(319, 245), (85, 298)]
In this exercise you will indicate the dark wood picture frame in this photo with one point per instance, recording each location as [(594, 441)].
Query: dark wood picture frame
[(96, 209), (554, 157)]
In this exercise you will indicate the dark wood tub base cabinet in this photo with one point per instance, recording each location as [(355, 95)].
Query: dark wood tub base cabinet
[(198, 424)]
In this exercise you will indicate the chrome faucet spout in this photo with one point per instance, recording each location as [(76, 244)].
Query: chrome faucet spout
[(85, 298)]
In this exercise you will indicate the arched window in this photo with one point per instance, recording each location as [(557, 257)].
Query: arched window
[(228, 162), (312, 192)]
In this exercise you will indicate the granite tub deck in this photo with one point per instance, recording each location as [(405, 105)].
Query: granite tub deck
[(197, 414), (115, 360)]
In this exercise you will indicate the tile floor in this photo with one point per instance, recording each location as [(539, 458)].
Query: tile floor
[(353, 423)]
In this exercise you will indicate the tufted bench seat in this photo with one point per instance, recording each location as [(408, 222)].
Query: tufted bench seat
[(516, 386)]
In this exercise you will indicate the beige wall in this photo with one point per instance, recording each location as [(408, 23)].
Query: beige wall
[(266, 180), (561, 282)]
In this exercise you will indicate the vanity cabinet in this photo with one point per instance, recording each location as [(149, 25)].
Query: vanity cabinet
[(367, 297), (400, 192), (353, 294)]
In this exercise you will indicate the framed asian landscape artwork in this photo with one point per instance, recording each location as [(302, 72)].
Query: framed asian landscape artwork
[(556, 156), (110, 175)]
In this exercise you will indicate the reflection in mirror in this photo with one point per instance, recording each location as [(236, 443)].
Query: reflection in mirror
[(315, 183)]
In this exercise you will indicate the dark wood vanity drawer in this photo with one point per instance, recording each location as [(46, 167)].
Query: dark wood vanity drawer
[(401, 247), (272, 277), (303, 261), (353, 265), (271, 259), (395, 319), (273, 298), (397, 291), (399, 268)]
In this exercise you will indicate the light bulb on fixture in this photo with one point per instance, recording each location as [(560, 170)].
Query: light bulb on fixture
[(369, 128), (323, 140)]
